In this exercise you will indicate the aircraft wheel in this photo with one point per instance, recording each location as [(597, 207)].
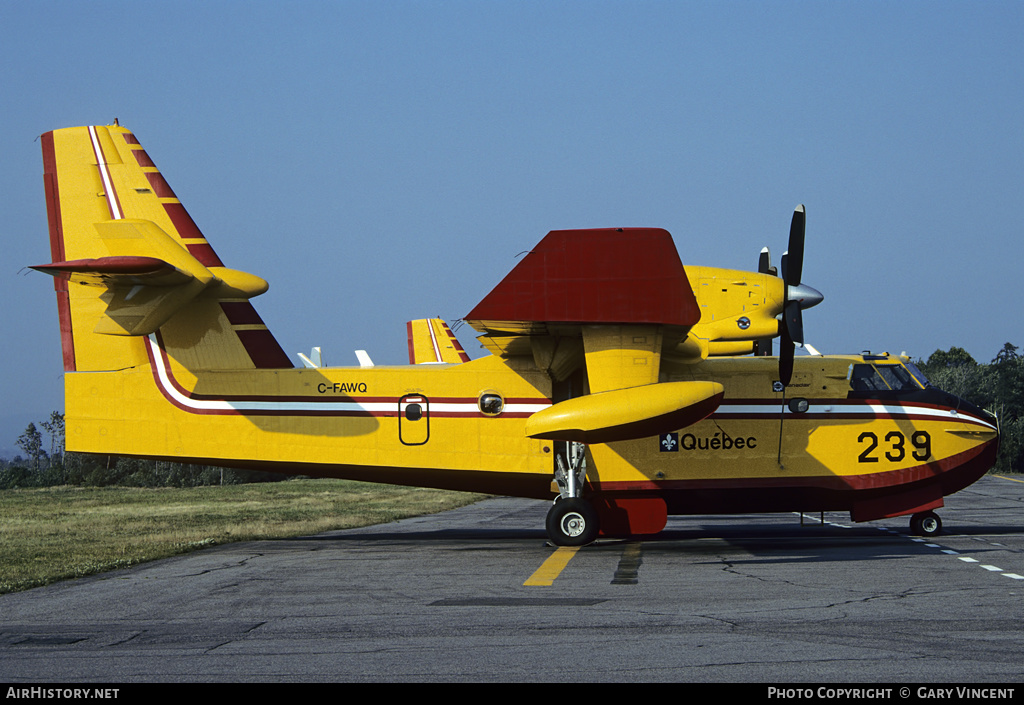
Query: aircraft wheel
[(572, 522), (925, 524)]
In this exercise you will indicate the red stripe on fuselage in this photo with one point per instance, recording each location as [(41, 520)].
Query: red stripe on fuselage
[(312, 400), (857, 409), (871, 481)]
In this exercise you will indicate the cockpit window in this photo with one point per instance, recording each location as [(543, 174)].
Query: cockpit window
[(918, 374), (866, 379), (883, 378), (896, 377)]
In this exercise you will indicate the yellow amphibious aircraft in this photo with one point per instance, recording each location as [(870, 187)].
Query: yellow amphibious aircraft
[(621, 384)]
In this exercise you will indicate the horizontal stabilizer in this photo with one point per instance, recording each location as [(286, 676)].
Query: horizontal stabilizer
[(138, 270), (626, 414), (148, 277)]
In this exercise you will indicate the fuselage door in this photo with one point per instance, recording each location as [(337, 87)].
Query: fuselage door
[(413, 419)]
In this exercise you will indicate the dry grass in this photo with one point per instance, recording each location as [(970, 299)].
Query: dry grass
[(55, 533)]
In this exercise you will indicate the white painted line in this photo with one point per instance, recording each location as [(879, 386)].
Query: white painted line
[(108, 184), (433, 341), (968, 559)]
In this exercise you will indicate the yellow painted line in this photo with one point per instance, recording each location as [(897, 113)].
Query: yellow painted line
[(1011, 479), (553, 566)]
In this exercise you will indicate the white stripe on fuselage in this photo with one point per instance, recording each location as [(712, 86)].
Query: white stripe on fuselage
[(241, 406), (865, 409), (725, 411)]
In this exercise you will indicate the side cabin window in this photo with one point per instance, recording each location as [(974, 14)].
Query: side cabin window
[(883, 378)]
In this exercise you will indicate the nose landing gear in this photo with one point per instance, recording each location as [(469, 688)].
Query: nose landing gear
[(925, 524)]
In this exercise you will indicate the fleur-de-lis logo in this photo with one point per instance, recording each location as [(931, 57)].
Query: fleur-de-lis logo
[(670, 442)]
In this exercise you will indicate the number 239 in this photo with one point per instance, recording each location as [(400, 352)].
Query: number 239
[(896, 446)]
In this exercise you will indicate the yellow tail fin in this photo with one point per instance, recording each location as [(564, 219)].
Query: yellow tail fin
[(431, 341), (128, 260)]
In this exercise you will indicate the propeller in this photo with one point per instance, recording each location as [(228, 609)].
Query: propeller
[(763, 346), (798, 296)]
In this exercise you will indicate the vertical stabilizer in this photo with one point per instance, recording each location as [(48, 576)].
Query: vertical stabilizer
[(129, 261), (431, 341)]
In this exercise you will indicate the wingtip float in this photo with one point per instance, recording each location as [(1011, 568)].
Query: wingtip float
[(620, 383)]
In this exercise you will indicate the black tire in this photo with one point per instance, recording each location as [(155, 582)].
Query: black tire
[(925, 524), (572, 522)]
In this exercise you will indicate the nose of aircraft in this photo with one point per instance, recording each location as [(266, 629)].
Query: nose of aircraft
[(807, 296)]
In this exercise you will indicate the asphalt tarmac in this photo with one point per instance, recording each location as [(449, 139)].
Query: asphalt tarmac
[(476, 594)]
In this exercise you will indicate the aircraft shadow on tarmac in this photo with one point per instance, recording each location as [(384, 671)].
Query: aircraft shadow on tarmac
[(440, 535), (740, 541)]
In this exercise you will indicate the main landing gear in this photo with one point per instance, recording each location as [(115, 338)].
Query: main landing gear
[(925, 524), (572, 520)]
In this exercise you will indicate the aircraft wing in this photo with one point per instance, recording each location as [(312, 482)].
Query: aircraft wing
[(611, 275), (609, 301), (583, 285)]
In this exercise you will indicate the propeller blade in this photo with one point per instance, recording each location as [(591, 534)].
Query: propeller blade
[(797, 296), (764, 262), (794, 271), (787, 350), (794, 322)]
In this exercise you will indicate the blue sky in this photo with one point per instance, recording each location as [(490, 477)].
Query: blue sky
[(381, 161)]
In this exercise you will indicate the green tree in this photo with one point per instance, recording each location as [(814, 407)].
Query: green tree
[(1007, 354), (998, 387), (31, 442), (954, 357), (54, 427)]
